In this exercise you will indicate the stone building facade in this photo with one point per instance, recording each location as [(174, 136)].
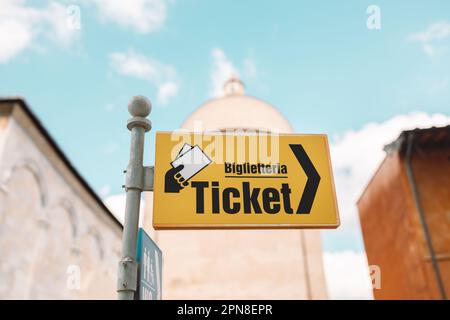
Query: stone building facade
[(239, 264), (57, 238)]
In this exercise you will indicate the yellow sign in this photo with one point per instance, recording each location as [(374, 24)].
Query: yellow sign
[(243, 181)]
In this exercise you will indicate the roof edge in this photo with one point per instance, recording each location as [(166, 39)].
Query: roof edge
[(399, 145), (23, 104)]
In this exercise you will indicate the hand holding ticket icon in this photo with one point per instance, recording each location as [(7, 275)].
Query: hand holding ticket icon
[(189, 161), (173, 181)]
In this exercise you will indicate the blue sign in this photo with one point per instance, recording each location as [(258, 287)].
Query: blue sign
[(149, 258)]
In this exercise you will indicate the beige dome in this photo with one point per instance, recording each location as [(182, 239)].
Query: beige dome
[(239, 264), (236, 111)]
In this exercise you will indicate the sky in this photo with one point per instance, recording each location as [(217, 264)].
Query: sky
[(359, 71)]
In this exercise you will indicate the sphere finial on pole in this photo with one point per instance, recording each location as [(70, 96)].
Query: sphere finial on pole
[(140, 106)]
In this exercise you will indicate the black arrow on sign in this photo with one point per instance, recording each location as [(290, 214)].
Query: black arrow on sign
[(312, 184)]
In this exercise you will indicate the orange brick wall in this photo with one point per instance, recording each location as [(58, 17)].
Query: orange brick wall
[(392, 231)]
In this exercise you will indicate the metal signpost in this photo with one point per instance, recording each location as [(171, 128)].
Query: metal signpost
[(138, 179)]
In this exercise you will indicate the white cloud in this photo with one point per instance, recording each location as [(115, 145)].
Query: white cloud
[(357, 154), (347, 275), (60, 29), (223, 69), (22, 26), (132, 64), (14, 37), (105, 191), (166, 91), (437, 31), (116, 204), (143, 16), (428, 49)]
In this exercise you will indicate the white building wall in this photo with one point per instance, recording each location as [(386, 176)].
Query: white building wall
[(51, 230)]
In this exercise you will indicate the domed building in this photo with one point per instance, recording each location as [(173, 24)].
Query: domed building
[(239, 264)]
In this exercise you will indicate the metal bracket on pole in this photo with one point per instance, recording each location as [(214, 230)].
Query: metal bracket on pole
[(142, 181), (148, 178), (127, 279), (138, 179)]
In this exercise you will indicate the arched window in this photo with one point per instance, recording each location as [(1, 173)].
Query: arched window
[(24, 197), (55, 256)]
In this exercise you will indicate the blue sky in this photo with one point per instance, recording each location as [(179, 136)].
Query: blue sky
[(316, 61)]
